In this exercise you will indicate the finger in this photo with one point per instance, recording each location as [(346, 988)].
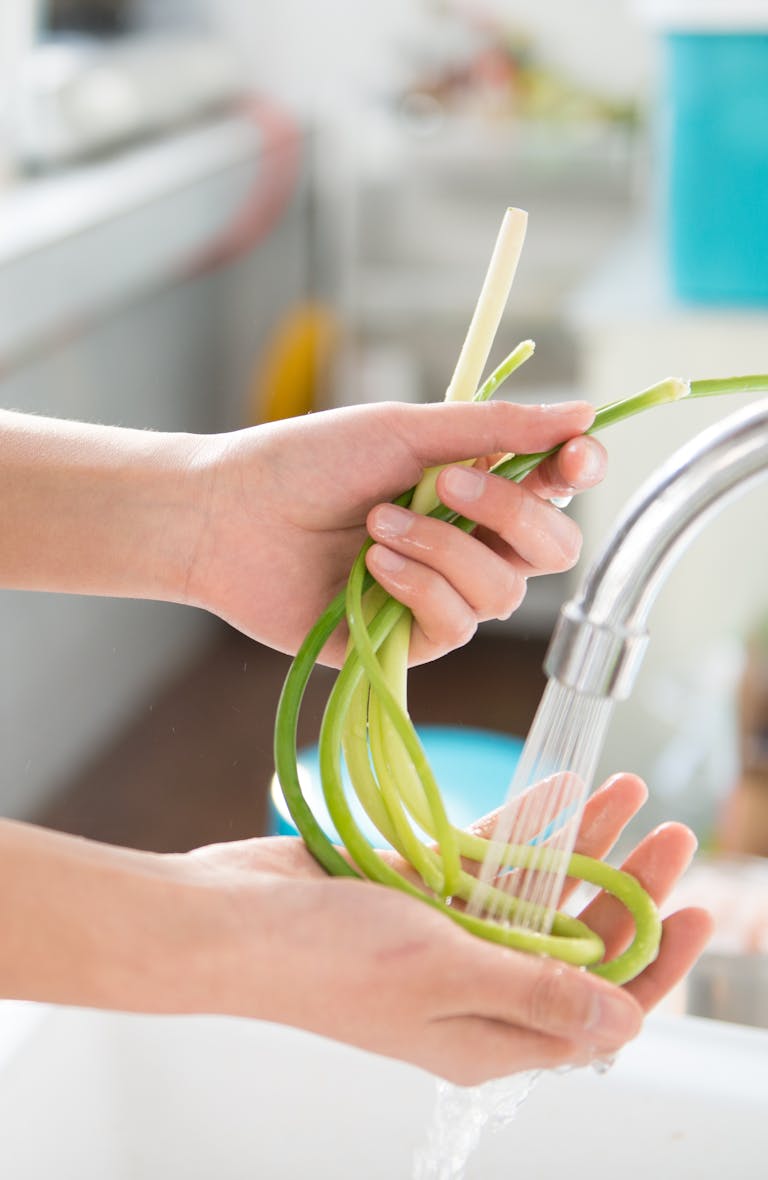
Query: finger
[(656, 864), (684, 936), (470, 1050), (540, 994), (541, 534), (491, 586), (447, 432), (539, 812), (578, 465), (443, 620), (523, 816), (606, 813), (542, 816), (497, 823)]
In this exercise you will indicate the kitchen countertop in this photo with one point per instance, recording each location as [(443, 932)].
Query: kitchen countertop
[(74, 243)]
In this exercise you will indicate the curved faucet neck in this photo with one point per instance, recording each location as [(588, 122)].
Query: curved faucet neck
[(601, 634)]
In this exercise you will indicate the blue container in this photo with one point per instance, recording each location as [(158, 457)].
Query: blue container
[(715, 148), (473, 767)]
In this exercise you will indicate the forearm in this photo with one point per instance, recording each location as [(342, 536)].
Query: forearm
[(94, 509), (97, 926)]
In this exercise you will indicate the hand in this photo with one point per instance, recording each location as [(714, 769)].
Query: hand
[(376, 969), (286, 507)]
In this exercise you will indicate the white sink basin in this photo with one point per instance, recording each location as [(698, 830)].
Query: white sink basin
[(90, 1096)]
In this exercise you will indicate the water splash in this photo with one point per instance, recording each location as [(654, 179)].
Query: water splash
[(460, 1117)]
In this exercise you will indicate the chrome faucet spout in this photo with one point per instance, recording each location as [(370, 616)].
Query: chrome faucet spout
[(601, 634)]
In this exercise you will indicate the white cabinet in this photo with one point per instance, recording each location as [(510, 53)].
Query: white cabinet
[(107, 314)]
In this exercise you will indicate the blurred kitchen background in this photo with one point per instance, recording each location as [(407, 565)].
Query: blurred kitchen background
[(214, 212)]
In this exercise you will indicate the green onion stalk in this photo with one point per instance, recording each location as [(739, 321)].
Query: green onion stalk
[(367, 727)]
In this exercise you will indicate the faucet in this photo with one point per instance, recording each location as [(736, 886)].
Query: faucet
[(601, 634)]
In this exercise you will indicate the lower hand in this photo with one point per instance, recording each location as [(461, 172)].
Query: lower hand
[(376, 969)]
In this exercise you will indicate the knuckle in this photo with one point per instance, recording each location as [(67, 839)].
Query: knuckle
[(572, 550), (503, 418), (446, 634), (465, 631), (513, 593), (565, 550), (553, 1005), (560, 563), (542, 997)]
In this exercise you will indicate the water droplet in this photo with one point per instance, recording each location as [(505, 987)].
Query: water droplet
[(601, 1065)]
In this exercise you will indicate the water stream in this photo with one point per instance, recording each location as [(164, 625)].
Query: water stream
[(562, 748), (560, 753), (462, 1114), (460, 1117)]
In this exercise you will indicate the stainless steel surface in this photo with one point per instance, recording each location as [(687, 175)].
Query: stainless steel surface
[(600, 636), (730, 980), (732, 987)]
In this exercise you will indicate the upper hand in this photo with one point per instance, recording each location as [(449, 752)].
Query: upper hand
[(285, 508)]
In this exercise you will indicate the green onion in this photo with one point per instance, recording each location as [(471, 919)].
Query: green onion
[(366, 722)]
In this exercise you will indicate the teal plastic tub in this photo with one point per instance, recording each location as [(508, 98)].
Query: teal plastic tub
[(473, 767), (716, 153), (713, 146)]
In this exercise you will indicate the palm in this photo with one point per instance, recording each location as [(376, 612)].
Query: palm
[(657, 863)]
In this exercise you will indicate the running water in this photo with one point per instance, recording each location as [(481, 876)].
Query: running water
[(460, 1117), (560, 754)]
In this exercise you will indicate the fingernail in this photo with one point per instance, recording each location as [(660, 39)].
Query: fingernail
[(386, 560), (593, 462), (391, 521), (615, 1018), (464, 483)]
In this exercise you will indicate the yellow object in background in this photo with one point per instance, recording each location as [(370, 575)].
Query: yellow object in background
[(294, 367)]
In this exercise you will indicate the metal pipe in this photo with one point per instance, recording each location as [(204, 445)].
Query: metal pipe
[(601, 634)]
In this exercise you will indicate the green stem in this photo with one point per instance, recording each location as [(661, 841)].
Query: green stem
[(752, 383), (516, 467), (402, 723), (285, 744), (516, 358), (385, 744), (645, 945), (357, 758)]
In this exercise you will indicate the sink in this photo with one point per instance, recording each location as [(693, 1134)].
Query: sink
[(86, 1096)]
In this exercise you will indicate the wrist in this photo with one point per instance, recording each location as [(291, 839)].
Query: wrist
[(93, 509), (97, 926), (150, 515)]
